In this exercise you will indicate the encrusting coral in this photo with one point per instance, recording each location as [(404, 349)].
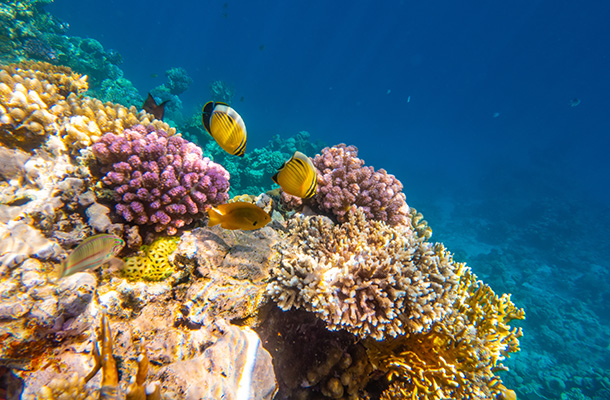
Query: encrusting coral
[(344, 182), (153, 264), (366, 277), (159, 180)]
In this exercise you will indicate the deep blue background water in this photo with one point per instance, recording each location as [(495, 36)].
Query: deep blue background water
[(467, 103), (344, 71)]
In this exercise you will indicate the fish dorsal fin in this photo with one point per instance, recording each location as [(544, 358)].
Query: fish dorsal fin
[(151, 106)]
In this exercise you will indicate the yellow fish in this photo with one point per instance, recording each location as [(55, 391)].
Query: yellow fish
[(298, 176), (226, 126), (238, 215)]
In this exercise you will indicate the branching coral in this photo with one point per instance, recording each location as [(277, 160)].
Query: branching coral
[(153, 264), (459, 356), (364, 276), (344, 182), (159, 180)]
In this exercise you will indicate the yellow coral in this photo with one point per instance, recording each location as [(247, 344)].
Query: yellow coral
[(153, 264), (459, 356)]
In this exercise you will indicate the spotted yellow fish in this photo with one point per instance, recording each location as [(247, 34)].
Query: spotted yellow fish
[(226, 126), (298, 176), (238, 215), (90, 253)]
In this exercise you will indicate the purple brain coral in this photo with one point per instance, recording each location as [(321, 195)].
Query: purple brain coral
[(159, 180), (344, 181)]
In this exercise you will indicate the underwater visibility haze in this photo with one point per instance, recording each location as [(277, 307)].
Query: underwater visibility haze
[(304, 199)]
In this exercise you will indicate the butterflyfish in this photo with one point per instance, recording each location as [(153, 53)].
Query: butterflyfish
[(238, 215), (151, 106), (297, 176), (226, 126), (90, 253)]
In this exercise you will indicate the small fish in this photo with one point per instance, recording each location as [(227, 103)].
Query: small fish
[(90, 253), (575, 102), (297, 176), (151, 106), (238, 215), (226, 126)]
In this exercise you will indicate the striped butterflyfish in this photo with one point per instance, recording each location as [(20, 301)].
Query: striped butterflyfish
[(297, 176), (226, 126), (90, 253), (238, 215)]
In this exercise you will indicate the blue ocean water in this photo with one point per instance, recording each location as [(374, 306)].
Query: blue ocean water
[(494, 115)]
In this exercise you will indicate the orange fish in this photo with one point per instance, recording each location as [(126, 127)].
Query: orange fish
[(238, 215)]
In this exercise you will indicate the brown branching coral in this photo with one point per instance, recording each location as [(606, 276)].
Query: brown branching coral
[(459, 356), (363, 276)]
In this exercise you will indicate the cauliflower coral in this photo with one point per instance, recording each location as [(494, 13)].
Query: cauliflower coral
[(159, 180)]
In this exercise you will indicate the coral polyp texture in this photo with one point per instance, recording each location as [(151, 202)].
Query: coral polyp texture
[(38, 100), (459, 356), (363, 276), (28, 91), (344, 181), (159, 180), (153, 264)]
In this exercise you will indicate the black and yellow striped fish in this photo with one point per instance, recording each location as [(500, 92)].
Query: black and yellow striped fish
[(226, 126), (298, 176)]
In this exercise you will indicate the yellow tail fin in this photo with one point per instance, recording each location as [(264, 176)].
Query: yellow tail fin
[(215, 217)]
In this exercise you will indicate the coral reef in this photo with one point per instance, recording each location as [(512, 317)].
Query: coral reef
[(384, 312), (178, 80), (221, 91), (252, 173), (344, 182), (153, 263), (159, 180), (38, 99), (366, 277)]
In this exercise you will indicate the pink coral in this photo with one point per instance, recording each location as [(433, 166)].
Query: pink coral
[(159, 180), (344, 181)]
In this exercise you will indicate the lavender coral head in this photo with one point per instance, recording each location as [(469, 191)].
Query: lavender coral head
[(344, 181), (159, 180)]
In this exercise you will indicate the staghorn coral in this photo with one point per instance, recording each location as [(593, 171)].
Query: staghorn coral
[(459, 356), (159, 180), (364, 276), (153, 264), (344, 182)]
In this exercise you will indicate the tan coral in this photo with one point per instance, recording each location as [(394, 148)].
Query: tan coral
[(38, 99), (364, 276)]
